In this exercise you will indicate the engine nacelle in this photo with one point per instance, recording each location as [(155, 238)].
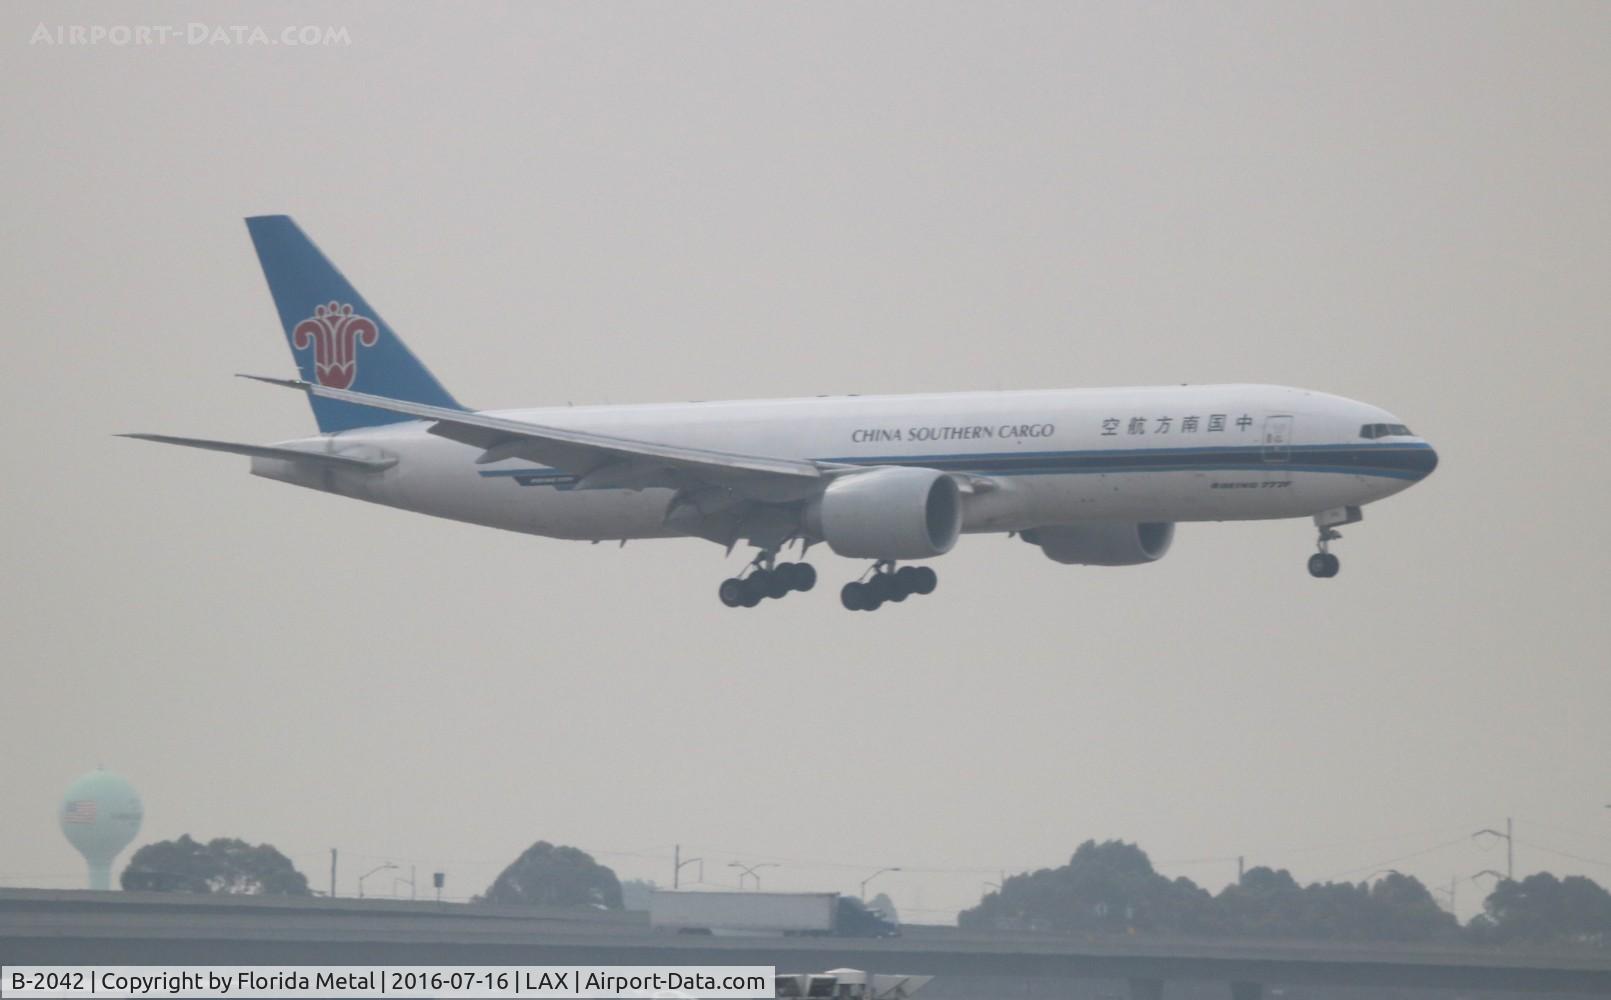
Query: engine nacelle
[(892, 512), (1103, 543)]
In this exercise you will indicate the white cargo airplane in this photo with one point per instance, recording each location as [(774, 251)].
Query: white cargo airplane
[(1091, 476)]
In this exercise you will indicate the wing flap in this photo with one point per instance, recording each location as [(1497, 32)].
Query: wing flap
[(578, 452)]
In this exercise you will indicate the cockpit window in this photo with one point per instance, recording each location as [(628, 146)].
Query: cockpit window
[(1384, 430)]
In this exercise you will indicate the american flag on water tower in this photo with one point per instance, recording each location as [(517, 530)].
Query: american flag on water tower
[(82, 811)]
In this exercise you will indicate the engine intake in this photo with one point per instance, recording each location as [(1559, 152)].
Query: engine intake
[(1104, 543), (891, 512)]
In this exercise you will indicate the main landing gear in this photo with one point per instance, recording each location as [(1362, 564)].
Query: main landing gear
[(764, 579), (886, 583)]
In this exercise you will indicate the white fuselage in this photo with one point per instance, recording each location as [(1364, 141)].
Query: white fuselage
[(1166, 453)]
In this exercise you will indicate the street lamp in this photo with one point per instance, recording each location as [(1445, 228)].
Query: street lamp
[(1510, 846), (871, 877), (678, 864), (377, 868), (750, 870), (1448, 893)]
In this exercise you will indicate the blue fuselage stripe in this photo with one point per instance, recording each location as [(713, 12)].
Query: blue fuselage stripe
[(1399, 461)]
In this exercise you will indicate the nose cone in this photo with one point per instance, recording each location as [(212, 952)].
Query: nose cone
[(1424, 461)]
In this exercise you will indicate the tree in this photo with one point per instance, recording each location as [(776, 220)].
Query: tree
[(545, 875), (885, 907), (1108, 887), (224, 865), (1271, 904), (636, 893), (1543, 909), (1408, 911), (1111, 888)]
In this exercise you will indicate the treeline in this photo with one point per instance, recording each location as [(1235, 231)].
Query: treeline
[(1108, 888), (543, 874), (222, 865), (1112, 888)]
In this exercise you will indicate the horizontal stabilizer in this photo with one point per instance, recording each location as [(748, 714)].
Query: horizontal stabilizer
[(267, 451)]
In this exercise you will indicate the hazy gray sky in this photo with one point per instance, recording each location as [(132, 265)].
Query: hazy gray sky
[(1403, 203)]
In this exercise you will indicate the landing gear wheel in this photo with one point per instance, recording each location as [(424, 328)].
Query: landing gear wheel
[(795, 574), (1324, 565), (754, 589), (854, 597), (803, 576), (882, 587), (732, 592), (923, 579), (774, 584)]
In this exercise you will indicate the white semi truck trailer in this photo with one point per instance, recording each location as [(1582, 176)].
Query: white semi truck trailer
[(739, 913)]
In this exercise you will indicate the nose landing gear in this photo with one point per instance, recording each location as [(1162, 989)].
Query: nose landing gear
[(764, 579), (886, 583), (1323, 565)]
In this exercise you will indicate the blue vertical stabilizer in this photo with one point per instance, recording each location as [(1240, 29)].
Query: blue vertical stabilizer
[(336, 337)]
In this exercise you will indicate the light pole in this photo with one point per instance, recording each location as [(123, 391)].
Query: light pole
[(677, 864), (873, 876), (1454, 883), (1510, 846), (377, 868), (750, 870)]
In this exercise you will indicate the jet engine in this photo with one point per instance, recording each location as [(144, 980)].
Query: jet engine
[(1103, 543), (891, 512)]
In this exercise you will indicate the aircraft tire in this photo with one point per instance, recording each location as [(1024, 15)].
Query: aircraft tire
[(731, 592), (923, 580), (805, 577), (854, 597), (1324, 565), (906, 576), (774, 584), (755, 589)]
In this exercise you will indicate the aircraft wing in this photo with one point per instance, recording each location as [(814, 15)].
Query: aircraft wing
[(599, 460)]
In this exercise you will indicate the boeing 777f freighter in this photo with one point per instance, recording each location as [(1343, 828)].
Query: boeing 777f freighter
[(1095, 477)]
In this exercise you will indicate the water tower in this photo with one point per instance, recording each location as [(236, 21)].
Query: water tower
[(99, 815)]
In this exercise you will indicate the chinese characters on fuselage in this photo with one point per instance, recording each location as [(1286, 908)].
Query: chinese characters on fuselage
[(1166, 425)]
